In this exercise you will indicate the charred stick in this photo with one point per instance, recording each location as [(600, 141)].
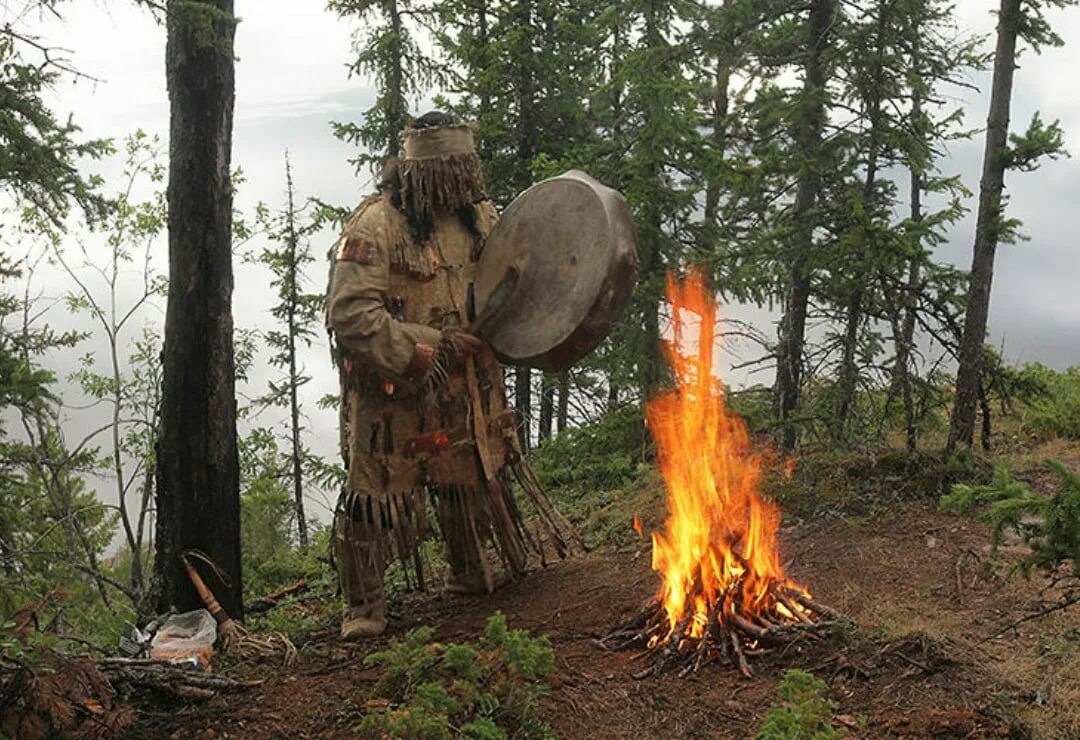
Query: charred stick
[(749, 627), (735, 644), (806, 601), (791, 606)]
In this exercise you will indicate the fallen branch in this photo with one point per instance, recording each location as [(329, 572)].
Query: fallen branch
[(1065, 603), (169, 678), (267, 603)]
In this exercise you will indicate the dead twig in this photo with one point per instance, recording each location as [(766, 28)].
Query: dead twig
[(1065, 603)]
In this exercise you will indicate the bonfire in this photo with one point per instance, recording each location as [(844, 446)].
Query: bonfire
[(723, 591)]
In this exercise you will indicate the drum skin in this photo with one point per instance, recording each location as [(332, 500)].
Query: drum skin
[(556, 272)]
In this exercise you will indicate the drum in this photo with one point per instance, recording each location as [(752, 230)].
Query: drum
[(556, 272)]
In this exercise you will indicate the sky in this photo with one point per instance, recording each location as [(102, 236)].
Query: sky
[(292, 80)]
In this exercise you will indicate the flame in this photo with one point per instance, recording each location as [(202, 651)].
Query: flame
[(638, 526), (789, 467), (718, 553)]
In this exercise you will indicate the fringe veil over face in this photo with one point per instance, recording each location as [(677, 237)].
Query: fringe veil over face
[(440, 173)]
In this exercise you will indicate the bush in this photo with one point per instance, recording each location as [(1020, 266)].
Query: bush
[(803, 712), (1055, 410), (486, 689), (1050, 525), (599, 456)]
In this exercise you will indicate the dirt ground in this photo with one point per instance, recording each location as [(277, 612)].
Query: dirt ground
[(923, 661)]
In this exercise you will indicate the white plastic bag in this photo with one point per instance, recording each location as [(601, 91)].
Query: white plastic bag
[(186, 636)]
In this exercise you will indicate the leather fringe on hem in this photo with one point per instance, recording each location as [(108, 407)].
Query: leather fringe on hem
[(395, 525)]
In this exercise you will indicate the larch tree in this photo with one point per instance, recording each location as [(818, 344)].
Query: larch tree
[(297, 313), (1018, 20), (522, 70), (198, 496), (809, 127), (387, 50)]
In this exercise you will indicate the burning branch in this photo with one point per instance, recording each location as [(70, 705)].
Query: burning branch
[(723, 590)]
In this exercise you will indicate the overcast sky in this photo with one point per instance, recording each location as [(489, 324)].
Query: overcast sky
[(291, 81)]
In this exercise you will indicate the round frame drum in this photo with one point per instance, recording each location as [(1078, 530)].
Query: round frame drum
[(556, 272)]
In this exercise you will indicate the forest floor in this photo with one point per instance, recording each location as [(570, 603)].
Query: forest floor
[(924, 660)]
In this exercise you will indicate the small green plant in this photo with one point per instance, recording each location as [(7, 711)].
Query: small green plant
[(803, 712), (488, 689), (1050, 525)]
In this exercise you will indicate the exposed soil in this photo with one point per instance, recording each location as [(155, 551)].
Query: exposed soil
[(923, 661)]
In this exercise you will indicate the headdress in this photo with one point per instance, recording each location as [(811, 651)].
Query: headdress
[(440, 172)]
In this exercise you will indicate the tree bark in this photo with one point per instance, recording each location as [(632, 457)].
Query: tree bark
[(962, 425), (523, 405), (789, 349), (547, 408), (849, 370), (564, 401), (198, 497)]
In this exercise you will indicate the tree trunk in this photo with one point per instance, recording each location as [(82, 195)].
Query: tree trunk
[(294, 376), (651, 237), (396, 112), (564, 401), (962, 426), (523, 405), (849, 370), (789, 349), (984, 405), (906, 339), (720, 103), (547, 408), (198, 497)]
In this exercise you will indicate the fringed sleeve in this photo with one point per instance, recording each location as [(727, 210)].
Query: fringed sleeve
[(357, 306)]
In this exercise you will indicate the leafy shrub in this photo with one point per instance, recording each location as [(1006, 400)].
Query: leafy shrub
[(1049, 524), (488, 689), (803, 712), (599, 456), (1054, 409)]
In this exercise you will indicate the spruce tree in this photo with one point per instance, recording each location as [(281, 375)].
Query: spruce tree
[(389, 51), (809, 126), (1018, 20), (297, 313)]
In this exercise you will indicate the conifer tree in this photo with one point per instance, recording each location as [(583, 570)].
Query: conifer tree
[(297, 313), (522, 69), (808, 132), (389, 51), (1018, 20)]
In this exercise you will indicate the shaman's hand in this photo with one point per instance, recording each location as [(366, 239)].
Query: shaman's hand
[(461, 344)]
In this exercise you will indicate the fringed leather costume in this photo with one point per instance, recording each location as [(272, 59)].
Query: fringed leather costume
[(425, 427)]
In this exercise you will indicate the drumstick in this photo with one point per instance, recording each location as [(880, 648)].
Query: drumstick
[(498, 297)]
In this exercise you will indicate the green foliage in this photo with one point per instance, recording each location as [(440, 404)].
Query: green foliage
[(38, 151), (606, 454), (297, 323), (803, 712), (270, 556), (1052, 407), (386, 49), (488, 689), (1050, 525)]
